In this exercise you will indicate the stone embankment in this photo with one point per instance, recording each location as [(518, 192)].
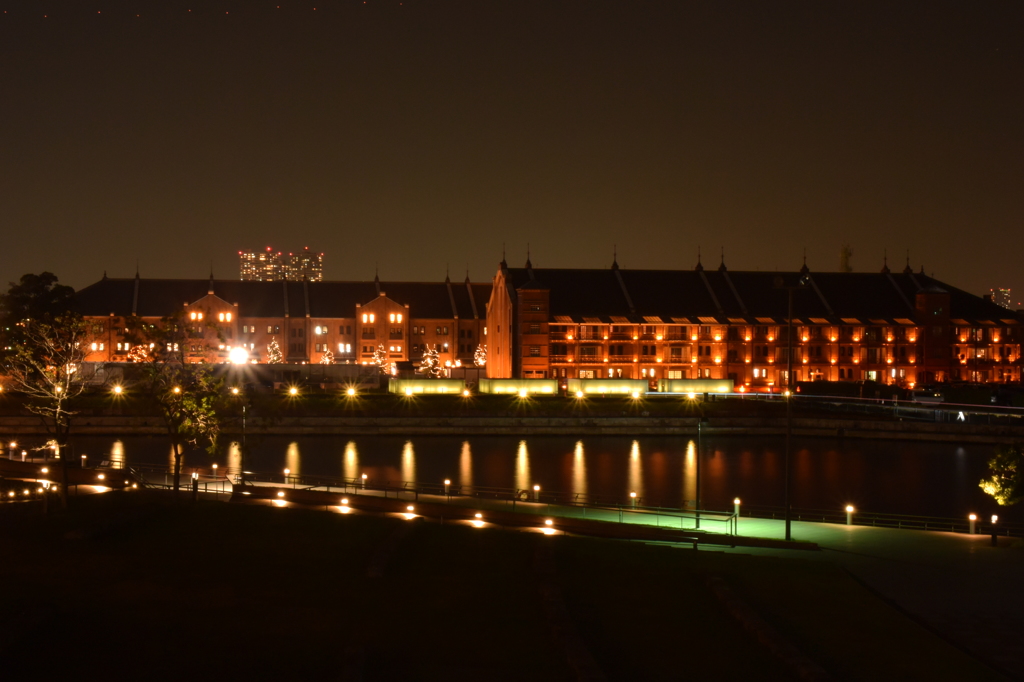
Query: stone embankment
[(551, 426)]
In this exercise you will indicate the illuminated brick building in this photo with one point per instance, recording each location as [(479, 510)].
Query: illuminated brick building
[(900, 328), (349, 319), (268, 266)]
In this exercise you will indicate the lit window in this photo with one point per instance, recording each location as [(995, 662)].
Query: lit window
[(392, 317), (399, 317), (228, 317), (193, 316), (221, 317), (319, 329), (366, 318), (371, 317), (398, 348), (95, 346), (391, 348)]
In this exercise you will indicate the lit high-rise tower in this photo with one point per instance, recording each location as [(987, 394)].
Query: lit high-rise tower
[(271, 266)]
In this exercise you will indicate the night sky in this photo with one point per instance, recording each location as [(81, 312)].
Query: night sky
[(419, 134)]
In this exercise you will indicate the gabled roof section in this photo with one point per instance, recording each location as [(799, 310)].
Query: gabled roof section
[(576, 293), (164, 297)]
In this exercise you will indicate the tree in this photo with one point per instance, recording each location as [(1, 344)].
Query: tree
[(430, 364), (274, 355), (480, 355), (380, 358), (327, 358), (36, 297), (1006, 482), (187, 394), (43, 363)]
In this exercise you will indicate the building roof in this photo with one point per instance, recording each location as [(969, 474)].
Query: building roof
[(163, 297), (699, 296)]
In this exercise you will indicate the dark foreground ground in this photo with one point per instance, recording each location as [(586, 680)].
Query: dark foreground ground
[(131, 586)]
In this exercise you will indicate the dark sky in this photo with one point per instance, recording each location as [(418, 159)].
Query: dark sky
[(422, 133)]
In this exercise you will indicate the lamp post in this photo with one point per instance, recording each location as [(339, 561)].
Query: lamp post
[(780, 284)]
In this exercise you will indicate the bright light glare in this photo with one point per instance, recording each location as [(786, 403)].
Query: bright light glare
[(351, 392), (849, 508), (293, 391), (523, 393), (280, 493), (238, 356), (579, 394), (117, 390)]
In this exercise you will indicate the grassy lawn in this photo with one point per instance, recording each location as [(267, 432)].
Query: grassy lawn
[(127, 586)]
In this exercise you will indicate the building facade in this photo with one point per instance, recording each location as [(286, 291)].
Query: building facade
[(270, 266), (896, 328), (307, 319)]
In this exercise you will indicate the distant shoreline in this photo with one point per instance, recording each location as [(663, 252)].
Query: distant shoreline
[(549, 426)]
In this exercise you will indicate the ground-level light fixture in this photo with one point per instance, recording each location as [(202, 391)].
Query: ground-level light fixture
[(350, 392), (118, 389), (238, 356), (635, 394), (280, 493), (293, 391), (579, 394), (523, 393)]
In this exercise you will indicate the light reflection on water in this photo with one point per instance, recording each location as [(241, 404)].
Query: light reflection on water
[(466, 464), (350, 465), (690, 474), (636, 479), (579, 470), (234, 467), (293, 460), (937, 479), (523, 467), (117, 454), (408, 462)]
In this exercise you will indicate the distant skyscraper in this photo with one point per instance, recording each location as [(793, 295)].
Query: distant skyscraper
[(1001, 297), (271, 266)]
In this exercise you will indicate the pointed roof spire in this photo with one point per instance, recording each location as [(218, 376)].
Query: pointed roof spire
[(699, 267), (804, 269), (503, 264), (467, 273), (376, 273), (908, 270), (136, 268), (885, 262), (615, 257), (528, 263), (104, 274), (721, 266), (447, 273)]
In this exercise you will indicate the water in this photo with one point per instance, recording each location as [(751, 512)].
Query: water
[(933, 479)]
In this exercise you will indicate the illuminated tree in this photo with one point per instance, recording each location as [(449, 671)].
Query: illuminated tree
[(1006, 481), (380, 359), (480, 356), (42, 363), (430, 364), (138, 354), (187, 394), (327, 358), (274, 354)]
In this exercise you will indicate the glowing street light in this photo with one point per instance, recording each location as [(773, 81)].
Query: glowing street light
[(849, 515), (238, 356)]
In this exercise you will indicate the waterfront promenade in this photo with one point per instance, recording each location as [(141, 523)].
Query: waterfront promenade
[(956, 585)]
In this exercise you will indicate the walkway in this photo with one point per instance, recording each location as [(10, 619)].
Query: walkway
[(956, 584)]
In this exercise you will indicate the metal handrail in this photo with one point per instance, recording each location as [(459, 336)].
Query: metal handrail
[(886, 520)]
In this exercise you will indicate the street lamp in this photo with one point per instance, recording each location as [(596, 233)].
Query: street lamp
[(780, 284)]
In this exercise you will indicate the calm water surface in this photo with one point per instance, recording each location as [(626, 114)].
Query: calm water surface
[(932, 479)]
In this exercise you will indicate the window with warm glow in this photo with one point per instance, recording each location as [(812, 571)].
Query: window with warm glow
[(366, 318), (399, 316)]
